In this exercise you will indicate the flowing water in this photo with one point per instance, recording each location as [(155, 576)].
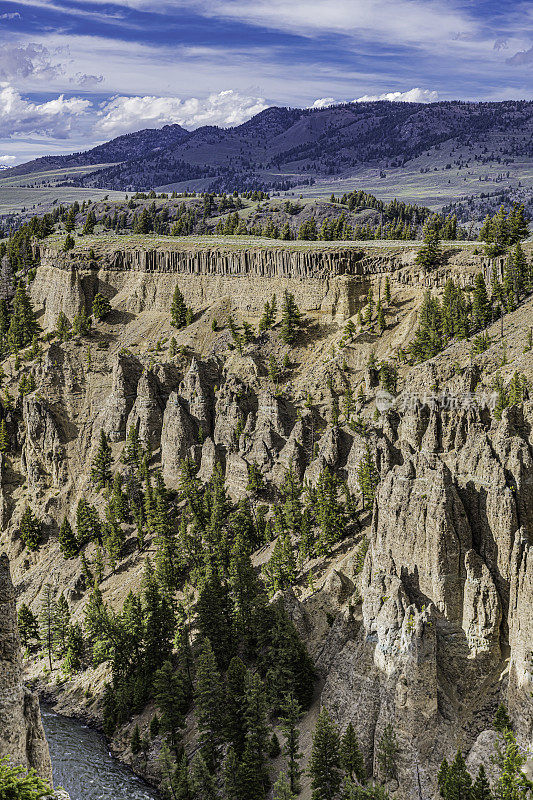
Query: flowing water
[(83, 765)]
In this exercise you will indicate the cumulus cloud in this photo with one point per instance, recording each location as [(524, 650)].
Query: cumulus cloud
[(521, 58), (13, 15), (58, 118), (415, 95), (324, 102), (126, 114), (28, 60), (5, 159)]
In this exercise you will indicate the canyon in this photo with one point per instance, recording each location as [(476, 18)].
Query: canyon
[(422, 615)]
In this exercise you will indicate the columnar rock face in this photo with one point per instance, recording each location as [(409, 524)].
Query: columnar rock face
[(21, 732), (330, 281)]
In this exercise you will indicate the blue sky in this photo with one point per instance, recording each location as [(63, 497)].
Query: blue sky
[(75, 73)]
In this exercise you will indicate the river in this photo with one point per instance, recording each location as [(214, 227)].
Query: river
[(83, 766)]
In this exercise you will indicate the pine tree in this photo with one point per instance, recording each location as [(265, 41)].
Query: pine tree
[(282, 789), (209, 704), (481, 788), (61, 625), (63, 326), (253, 775), (101, 307), (429, 256), (135, 741), (387, 753), (178, 309), (324, 765), (202, 784), (367, 478), (351, 757), (230, 775), (67, 540), (329, 512), (28, 627), (88, 527), (291, 319), (46, 622), (512, 783), (101, 466), (501, 720), (69, 243), (23, 325), (4, 437), (236, 705), (387, 290), (289, 720), (30, 529), (169, 696), (454, 780)]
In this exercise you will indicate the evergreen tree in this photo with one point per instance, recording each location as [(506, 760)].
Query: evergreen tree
[(28, 627), (282, 789), (209, 704), (46, 622), (291, 319), (329, 512), (30, 529), (69, 243), (501, 720), (178, 309), (387, 290), (101, 307), (63, 326), (429, 256), (17, 783), (289, 720), (202, 783), (230, 776), (324, 765), (101, 466), (481, 788), (169, 696), (512, 783), (387, 753), (4, 437), (23, 326), (135, 741), (61, 625), (367, 478), (351, 757), (236, 705), (67, 540), (253, 775), (88, 527)]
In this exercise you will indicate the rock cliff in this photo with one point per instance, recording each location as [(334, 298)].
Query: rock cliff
[(21, 732), (423, 615)]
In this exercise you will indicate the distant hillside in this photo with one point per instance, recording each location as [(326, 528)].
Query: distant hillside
[(282, 148)]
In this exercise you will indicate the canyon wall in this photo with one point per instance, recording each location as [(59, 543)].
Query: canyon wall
[(21, 732), (329, 282)]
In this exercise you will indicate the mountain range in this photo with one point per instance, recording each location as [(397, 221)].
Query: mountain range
[(280, 148)]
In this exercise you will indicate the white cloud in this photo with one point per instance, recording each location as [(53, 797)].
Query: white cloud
[(324, 102), (126, 114), (411, 96), (13, 15), (28, 60), (87, 81), (58, 117), (5, 159)]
